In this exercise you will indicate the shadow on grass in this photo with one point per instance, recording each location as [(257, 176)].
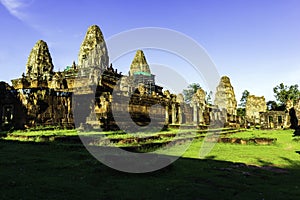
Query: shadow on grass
[(30, 170), (293, 164), (264, 163)]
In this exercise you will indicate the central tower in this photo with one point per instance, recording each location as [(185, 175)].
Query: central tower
[(93, 51)]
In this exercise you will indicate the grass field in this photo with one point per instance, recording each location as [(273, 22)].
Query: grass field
[(281, 154), (52, 170)]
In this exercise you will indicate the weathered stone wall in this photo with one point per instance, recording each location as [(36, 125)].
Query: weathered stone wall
[(295, 106), (272, 119), (198, 104), (12, 113), (47, 107), (255, 105), (297, 109)]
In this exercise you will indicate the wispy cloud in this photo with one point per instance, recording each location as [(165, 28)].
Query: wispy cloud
[(16, 7)]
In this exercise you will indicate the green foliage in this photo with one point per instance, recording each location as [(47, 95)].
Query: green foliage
[(283, 93), (241, 112), (57, 132), (190, 91), (244, 99), (272, 105)]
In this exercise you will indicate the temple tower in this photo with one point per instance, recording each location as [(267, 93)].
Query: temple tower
[(225, 97), (93, 50), (39, 62), (139, 65)]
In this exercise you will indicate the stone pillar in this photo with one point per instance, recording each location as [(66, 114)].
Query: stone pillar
[(211, 116), (216, 117), (201, 118), (287, 123), (224, 112), (69, 109), (179, 115), (173, 113), (167, 115), (195, 114)]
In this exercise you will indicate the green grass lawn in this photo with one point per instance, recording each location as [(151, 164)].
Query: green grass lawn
[(282, 153), (34, 170)]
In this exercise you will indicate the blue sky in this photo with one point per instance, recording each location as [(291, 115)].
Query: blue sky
[(256, 43)]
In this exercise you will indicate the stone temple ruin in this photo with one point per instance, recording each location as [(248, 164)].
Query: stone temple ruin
[(256, 113), (254, 106), (226, 101), (93, 94)]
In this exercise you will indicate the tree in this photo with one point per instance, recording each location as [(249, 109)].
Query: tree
[(190, 91), (272, 105), (284, 93), (241, 111), (244, 98)]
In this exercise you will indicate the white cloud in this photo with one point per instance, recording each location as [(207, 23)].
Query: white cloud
[(16, 7)]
